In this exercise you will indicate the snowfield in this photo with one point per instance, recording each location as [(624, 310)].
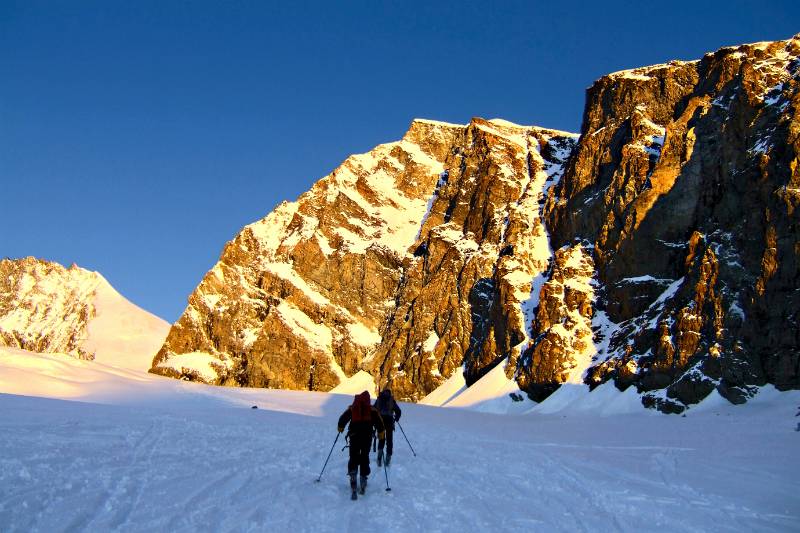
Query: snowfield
[(139, 452)]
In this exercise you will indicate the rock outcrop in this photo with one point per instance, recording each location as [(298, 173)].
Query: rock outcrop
[(45, 307)]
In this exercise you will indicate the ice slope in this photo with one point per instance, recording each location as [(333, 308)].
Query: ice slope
[(122, 334), (145, 453)]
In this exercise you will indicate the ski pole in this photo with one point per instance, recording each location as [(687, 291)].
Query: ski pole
[(386, 473), (404, 436), (329, 456)]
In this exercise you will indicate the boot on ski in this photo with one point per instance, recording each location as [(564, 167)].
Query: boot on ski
[(380, 457), (363, 484), (353, 495), (388, 459)]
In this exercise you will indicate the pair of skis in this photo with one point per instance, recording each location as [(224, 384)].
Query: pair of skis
[(363, 487), (354, 493), (355, 490), (383, 459)]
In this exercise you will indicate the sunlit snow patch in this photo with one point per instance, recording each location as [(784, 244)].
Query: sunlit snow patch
[(492, 394), (453, 386), (358, 382)]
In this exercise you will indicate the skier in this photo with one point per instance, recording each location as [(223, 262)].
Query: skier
[(390, 412), (362, 418)]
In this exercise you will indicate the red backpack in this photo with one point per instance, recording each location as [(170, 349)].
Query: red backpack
[(361, 408)]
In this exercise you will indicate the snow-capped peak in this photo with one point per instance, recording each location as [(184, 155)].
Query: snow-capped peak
[(47, 308)]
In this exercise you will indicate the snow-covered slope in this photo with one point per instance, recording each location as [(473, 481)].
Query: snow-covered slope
[(357, 383), (122, 334), (169, 455), (493, 393), (47, 308)]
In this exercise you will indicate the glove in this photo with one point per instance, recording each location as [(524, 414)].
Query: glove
[(341, 429), (397, 418), (381, 435)]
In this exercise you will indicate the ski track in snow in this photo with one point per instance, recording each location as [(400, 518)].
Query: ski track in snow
[(212, 466)]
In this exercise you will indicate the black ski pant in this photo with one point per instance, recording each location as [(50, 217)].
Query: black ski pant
[(360, 443), (388, 423)]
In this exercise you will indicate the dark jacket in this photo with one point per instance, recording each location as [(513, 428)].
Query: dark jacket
[(388, 409)]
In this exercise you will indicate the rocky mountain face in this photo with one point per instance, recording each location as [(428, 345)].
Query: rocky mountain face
[(659, 249), (47, 308), (409, 262), (683, 193), (466, 286)]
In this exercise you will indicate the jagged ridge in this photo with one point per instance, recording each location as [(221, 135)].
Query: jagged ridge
[(674, 226)]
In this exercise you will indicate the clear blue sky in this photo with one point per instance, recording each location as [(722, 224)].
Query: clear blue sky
[(136, 138)]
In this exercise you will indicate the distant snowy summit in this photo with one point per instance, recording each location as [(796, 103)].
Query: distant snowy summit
[(47, 308)]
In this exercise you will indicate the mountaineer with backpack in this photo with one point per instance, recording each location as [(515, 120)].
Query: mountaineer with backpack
[(362, 418), (390, 412)]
